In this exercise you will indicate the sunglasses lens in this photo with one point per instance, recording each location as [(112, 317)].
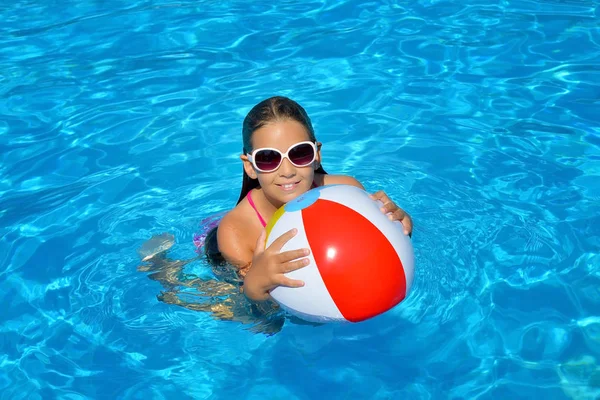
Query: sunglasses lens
[(267, 160), (302, 154)]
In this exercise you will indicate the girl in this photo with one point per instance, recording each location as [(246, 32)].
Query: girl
[(282, 160)]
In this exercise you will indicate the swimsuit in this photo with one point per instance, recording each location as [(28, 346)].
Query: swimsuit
[(262, 220)]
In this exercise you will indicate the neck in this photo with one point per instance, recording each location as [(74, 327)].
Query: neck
[(268, 205)]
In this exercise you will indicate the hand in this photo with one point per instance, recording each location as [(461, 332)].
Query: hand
[(270, 265), (394, 212)]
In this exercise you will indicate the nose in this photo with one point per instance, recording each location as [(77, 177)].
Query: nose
[(287, 169)]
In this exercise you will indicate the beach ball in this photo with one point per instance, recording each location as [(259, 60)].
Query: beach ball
[(361, 263)]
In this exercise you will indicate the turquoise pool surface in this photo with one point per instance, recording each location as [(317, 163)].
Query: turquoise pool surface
[(120, 121)]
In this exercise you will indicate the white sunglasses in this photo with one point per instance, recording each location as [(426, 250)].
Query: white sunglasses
[(268, 159)]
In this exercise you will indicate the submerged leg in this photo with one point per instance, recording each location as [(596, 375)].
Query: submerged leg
[(223, 299)]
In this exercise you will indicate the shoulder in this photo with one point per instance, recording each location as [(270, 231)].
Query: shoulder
[(232, 237), (341, 180)]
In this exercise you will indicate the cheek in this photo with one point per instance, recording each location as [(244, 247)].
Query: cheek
[(313, 167), (308, 174), (264, 178)]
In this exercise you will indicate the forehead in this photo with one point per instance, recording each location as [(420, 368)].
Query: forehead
[(280, 135)]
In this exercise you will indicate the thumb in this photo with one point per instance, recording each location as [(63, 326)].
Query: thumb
[(261, 242)]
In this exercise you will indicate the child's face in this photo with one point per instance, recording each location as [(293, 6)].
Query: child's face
[(288, 181)]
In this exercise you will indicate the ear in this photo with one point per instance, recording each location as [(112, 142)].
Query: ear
[(248, 167)]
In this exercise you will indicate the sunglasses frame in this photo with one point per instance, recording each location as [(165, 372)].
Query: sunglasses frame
[(283, 156)]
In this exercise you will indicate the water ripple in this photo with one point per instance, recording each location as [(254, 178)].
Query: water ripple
[(120, 121)]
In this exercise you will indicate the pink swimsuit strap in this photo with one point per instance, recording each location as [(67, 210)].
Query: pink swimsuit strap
[(262, 220)]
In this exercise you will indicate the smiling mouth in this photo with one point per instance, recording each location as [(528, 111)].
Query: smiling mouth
[(289, 186)]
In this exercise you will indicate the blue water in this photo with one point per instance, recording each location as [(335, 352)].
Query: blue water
[(122, 120)]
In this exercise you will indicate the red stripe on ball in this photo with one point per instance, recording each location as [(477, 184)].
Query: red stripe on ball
[(361, 270)]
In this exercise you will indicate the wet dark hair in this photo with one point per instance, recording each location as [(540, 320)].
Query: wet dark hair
[(277, 108), (273, 109)]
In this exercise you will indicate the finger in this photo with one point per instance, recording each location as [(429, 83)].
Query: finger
[(404, 218), (285, 281), (379, 195), (283, 239), (261, 242), (397, 215), (295, 265), (383, 200), (408, 225), (292, 255), (390, 207)]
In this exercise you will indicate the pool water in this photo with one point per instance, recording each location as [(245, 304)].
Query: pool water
[(121, 121)]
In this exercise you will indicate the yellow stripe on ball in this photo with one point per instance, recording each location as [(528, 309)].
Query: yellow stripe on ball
[(273, 221)]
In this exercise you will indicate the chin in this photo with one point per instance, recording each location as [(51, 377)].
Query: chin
[(287, 195)]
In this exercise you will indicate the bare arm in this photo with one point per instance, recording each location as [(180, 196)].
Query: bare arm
[(232, 245), (341, 180), (261, 268)]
